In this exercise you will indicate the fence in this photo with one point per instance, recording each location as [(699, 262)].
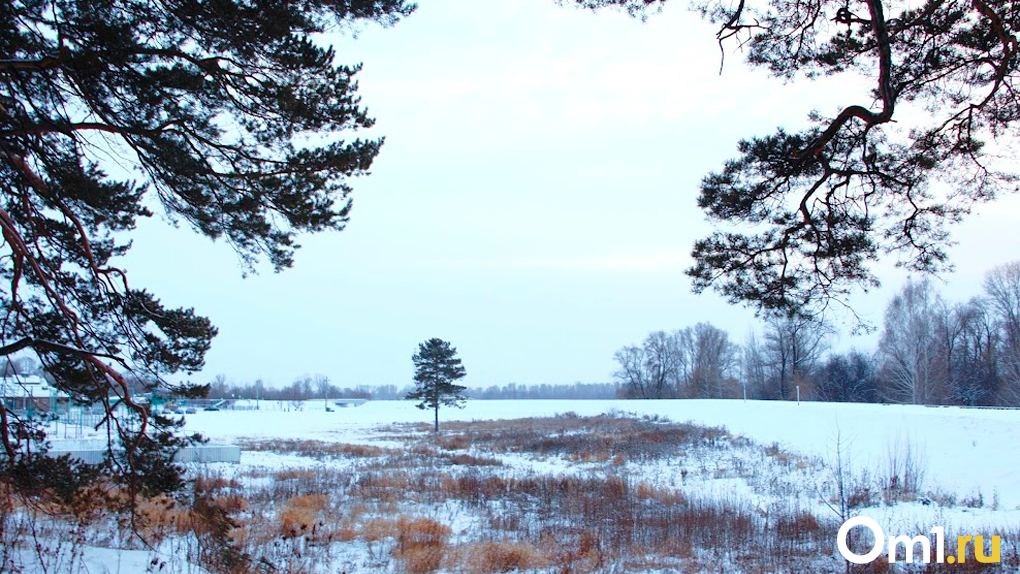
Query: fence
[(204, 453)]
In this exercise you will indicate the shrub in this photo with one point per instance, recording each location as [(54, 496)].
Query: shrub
[(797, 526), (906, 467)]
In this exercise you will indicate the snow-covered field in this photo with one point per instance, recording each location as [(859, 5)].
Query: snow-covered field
[(968, 451), (352, 490)]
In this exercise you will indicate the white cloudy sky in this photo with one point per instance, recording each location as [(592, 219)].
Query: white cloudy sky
[(534, 203)]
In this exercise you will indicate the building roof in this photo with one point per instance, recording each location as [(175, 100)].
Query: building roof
[(28, 386)]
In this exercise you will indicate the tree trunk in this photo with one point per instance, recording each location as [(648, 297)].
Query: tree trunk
[(437, 417)]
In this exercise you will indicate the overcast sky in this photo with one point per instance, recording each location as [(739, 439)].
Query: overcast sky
[(534, 203)]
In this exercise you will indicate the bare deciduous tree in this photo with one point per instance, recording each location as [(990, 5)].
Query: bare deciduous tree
[(695, 362), (847, 377), (793, 347), (633, 373), (1002, 291), (913, 356), (973, 358), (753, 368), (713, 359)]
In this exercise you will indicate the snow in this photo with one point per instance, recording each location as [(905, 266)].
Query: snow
[(968, 451), (93, 560)]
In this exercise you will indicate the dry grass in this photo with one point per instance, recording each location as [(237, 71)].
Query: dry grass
[(471, 460), (489, 557), (295, 474), (421, 544), (315, 448), (584, 439), (593, 519), (378, 529), (574, 523), (303, 515), (454, 442), (384, 486), (658, 494), (161, 516)]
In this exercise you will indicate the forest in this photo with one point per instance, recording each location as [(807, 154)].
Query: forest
[(930, 351)]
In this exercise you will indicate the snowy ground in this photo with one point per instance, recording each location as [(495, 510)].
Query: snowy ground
[(969, 451), (778, 460)]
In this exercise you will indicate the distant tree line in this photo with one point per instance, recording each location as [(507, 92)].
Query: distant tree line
[(931, 351), (312, 387), (307, 387), (575, 391)]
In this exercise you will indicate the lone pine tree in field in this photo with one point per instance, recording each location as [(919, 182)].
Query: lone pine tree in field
[(436, 367)]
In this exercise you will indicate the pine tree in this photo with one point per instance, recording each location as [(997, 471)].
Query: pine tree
[(226, 114), (436, 367), (802, 216)]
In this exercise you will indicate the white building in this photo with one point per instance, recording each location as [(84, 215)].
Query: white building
[(31, 393)]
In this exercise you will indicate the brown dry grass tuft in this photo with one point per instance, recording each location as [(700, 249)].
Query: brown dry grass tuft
[(421, 559), (658, 494), (295, 474), (161, 516), (797, 526), (158, 517), (303, 515), (454, 442), (576, 551), (421, 544), (377, 529), (489, 557)]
